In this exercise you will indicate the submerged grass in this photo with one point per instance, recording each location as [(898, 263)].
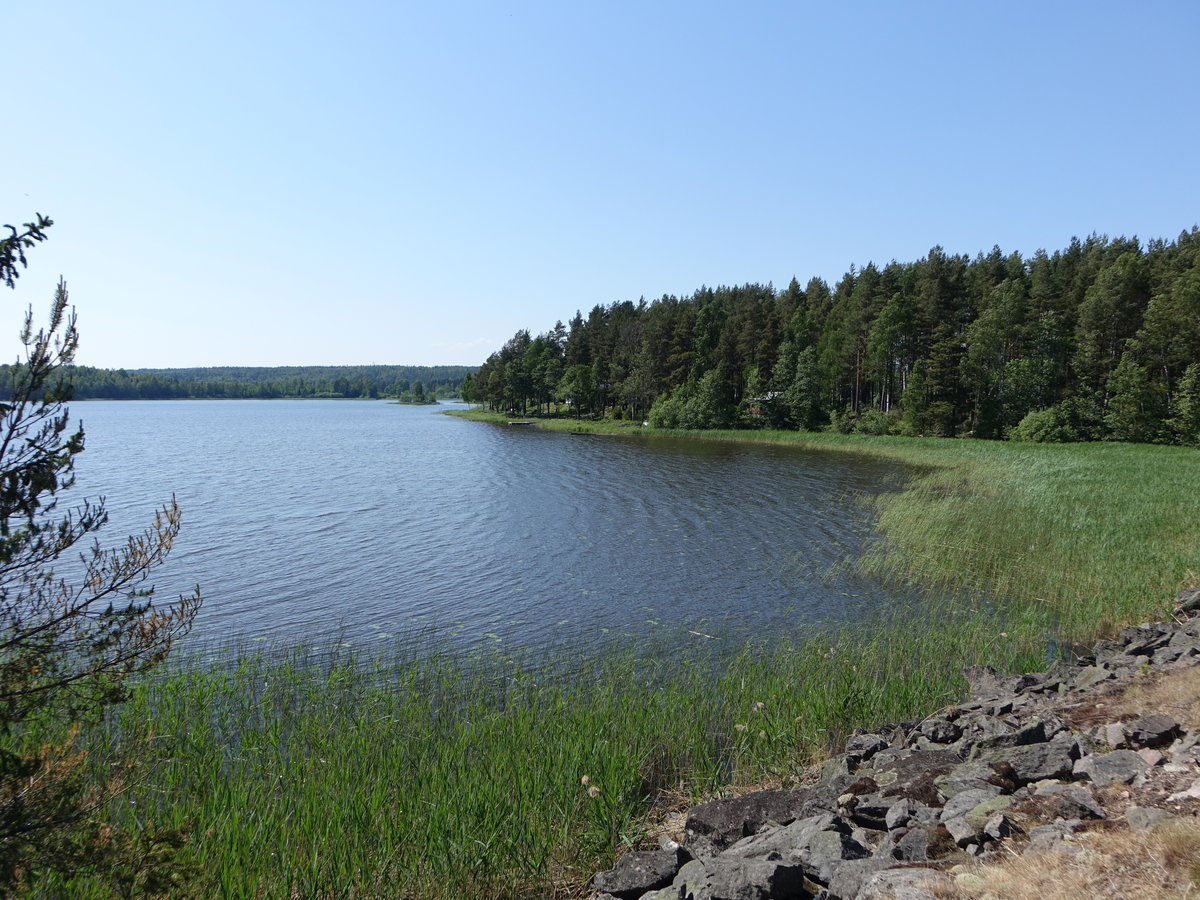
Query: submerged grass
[(323, 774)]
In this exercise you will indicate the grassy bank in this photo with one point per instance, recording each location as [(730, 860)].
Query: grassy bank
[(317, 774)]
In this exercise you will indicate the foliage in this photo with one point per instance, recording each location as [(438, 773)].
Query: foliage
[(68, 648), (944, 346), (264, 383)]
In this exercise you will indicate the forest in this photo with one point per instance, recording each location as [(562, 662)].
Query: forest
[(250, 382), (1097, 341)]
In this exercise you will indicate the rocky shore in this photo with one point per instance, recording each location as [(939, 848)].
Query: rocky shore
[(1027, 767)]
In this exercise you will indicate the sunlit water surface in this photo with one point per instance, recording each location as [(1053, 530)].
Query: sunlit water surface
[(377, 523)]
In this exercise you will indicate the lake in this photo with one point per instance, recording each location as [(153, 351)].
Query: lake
[(375, 523)]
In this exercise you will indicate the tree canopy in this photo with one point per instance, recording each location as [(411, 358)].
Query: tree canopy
[(1093, 341)]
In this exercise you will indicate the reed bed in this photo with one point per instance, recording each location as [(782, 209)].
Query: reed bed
[(322, 773)]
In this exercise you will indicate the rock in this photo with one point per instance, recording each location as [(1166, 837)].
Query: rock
[(782, 842), (636, 873), (851, 875), (713, 826), (1111, 736), (962, 831), (904, 884), (1033, 732), (960, 804), (899, 815), (862, 747), (967, 777), (1143, 818), (1068, 801), (1050, 837), (1036, 762), (980, 815), (1152, 757), (920, 843), (999, 827), (1188, 601), (1192, 793), (1154, 730), (1117, 766), (870, 810), (982, 681), (1143, 640), (724, 878), (826, 851), (1090, 677), (940, 730)]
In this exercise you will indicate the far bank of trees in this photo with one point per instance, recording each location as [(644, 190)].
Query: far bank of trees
[(253, 382), (1097, 341)]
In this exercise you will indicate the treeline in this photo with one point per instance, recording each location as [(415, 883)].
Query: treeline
[(1100, 340), (266, 382)]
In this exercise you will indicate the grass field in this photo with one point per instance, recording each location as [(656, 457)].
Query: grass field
[(314, 773)]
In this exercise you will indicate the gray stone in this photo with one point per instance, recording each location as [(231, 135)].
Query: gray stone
[(940, 730), (851, 875), (904, 884), (1035, 762), (870, 810), (999, 827), (1050, 837), (826, 851), (1058, 674), (724, 878), (1111, 736), (899, 815), (1143, 640), (978, 816), (639, 872), (862, 747), (1153, 730), (784, 842), (1118, 766), (1090, 677), (912, 778), (1188, 601), (918, 843), (960, 804), (713, 826), (967, 777), (984, 682), (1069, 801), (1142, 818), (1033, 732), (962, 831)]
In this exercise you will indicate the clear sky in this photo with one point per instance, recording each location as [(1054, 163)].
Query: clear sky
[(299, 183)]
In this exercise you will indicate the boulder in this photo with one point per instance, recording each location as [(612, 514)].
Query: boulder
[(637, 873), (1153, 730), (726, 878), (905, 884), (713, 826), (1117, 766)]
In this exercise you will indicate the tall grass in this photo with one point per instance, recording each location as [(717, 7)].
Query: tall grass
[(303, 774), (321, 774)]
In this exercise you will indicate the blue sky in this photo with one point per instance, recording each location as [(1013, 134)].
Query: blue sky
[(317, 184)]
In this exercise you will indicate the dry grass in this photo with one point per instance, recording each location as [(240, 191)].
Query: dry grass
[(1163, 864), (1176, 694)]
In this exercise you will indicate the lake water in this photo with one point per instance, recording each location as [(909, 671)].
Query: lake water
[(375, 522)]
